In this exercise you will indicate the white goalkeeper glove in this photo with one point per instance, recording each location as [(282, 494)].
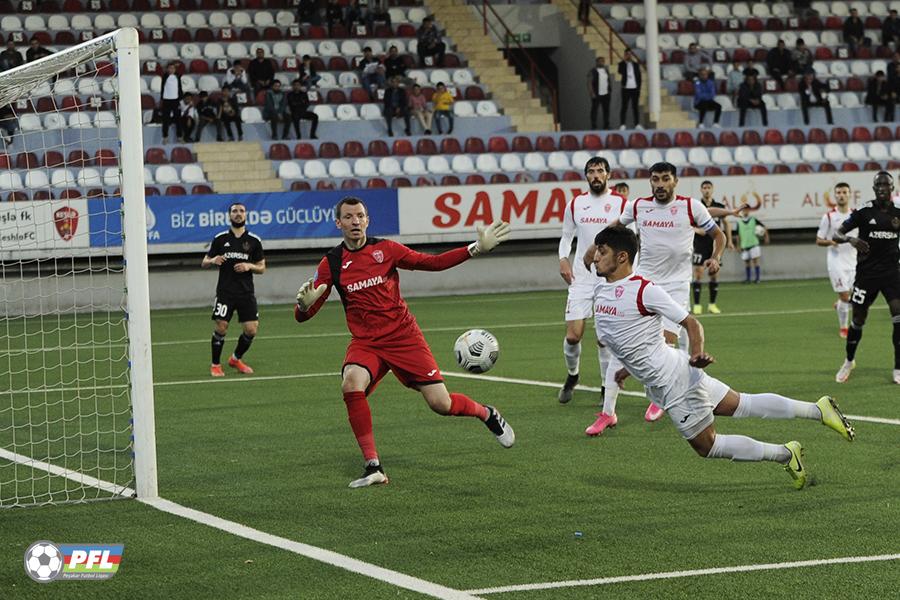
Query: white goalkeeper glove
[(307, 294), (489, 237)]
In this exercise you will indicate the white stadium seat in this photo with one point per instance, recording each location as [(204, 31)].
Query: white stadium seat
[(339, 168), (346, 112), (111, 177), (89, 177), (462, 163), (463, 109), (10, 180), (241, 19), (438, 165), (767, 154), (365, 167), (166, 174), (834, 153), (721, 155), (743, 155), (218, 20), (80, 120), (36, 180), (856, 151), (534, 161), (413, 165), (62, 178), (788, 154), (325, 112), (558, 161), (389, 166), (314, 169), (485, 108), (511, 162), (811, 153), (487, 163)]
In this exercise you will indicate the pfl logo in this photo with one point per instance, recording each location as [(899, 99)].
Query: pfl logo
[(45, 561)]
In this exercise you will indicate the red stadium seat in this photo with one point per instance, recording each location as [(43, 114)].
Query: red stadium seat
[(4, 160), (548, 176), (198, 65), (615, 141), (520, 143), (727, 138), (104, 158), (780, 169), (736, 170), (498, 144), (406, 30), (753, 24), (751, 138), (401, 182), (249, 34), (42, 195), (862, 134), (338, 63), (827, 168), (839, 135), (426, 147), (201, 188), (279, 152), (616, 174), (336, 97), (833, 22), (156, 156), (78, 159), (741, 55), (180, 154), (823, 53), (803, 168), (684, 139), (424, 182), (685, 88), (181, 36), (545, 143), (773, 137), (351, 184), (873, 22), (660, 139), (52, 158), (849, 166), (592, 142), (474, 145), (774, 24), (872, 166), (712, 172), (64, 38), (473, 92), (149, 190), (317, 32), (300, 186), (631, 26), (403, 148), (450, 146), (693, 26), (379, 148), (359, 96), (568, 143), (448, 180), (304, 151), (759, 170), (705, 139), (690, 172), (641, 174), (175, 190), (273, 34), (796, 136), (354, 149), (329, 150), (812, 22), (475, 179), (855, 84), (204, 35), (713, 25), (325, 184), (499, 178), (816, 136)]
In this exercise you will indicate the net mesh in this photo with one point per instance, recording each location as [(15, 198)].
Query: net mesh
[(65, 411)]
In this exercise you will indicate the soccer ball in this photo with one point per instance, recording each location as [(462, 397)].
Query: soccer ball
[(760, 231), (43, 561), (476, 350)]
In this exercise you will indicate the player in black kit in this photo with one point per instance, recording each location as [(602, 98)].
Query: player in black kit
[(703, 251), (238, 254), (877, 267)]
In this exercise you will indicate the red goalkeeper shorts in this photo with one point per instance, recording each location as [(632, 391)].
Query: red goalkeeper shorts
[(409, 358)]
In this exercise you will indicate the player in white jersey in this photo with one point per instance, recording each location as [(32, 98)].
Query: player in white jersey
[(628, 313), (586, 215), (841, 257), (665, 222)]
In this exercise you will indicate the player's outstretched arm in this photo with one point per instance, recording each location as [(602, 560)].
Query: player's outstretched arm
[(489, 237), (310, 299), (699, 358)]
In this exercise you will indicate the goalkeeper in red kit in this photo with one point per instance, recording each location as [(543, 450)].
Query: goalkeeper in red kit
[(385, 335)]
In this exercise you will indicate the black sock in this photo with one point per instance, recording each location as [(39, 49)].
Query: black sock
[(218, 340), (713, 291), (853, 337), (696, 287), (243, 345), (896, 338)]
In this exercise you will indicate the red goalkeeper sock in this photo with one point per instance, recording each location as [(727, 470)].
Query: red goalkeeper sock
[(463, 406), (360, 418)]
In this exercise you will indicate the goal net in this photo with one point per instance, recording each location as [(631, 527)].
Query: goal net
[(76, 397)]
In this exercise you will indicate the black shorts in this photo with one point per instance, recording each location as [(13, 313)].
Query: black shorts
[(225, 307), (865, 291), (703, 250)]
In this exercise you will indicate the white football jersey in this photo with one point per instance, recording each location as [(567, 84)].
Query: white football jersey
[(667, 235), (586, 216), (842, 254), (627, 316)]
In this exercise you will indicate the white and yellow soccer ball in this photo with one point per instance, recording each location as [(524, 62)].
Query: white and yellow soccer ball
[(43, 561), (477, 350)]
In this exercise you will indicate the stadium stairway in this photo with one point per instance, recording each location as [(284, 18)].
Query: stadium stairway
[(235, 167), (508, 89), (598, 39)]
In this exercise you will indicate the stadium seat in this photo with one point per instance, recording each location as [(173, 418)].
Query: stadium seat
[(781, 169), (751, 138), (389, 166), (545, 143), (365, 167), (811, 153), (413, 165), (180, 154), (827, 167), (403, 148), (882, 134), (376, 182), (399, 182), (425, 147), (339, 168), (558, 161), (816, 136), (351, 184), (353, 149), (329, 150), (591, 141), (462, 164), (788, 154), (520, 143), (498, 144), (474, 145), (475, 179), (378, 148), (773, 137), (696, 156), (861, 134), (487, 163), (279, 152), (568, 143), (450, 146), (661, 139), (438, 165), (510, 163), (314, 169), (534, 161), (448, 180), (839, 135)]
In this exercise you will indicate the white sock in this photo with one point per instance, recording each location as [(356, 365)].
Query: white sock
[(612, 388), (843, 311), (604, 356), (773, 406), (572, 352), (743, 448)]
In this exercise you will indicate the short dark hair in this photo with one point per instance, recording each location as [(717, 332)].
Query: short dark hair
[(664, 167), (351, 201), (842, 184), (619, 238), (705, 181), (622, 185), (880, 173), (233, 204), (594, 161)]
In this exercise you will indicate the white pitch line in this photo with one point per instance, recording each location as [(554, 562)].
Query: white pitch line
[(528, 587), (106, 486)]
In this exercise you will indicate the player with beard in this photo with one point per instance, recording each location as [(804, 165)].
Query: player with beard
[(841, 257), (238, 254), (877, 268), (585, 216)]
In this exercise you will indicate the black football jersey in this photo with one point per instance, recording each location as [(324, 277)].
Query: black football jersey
[(881, 230), (247, 248)]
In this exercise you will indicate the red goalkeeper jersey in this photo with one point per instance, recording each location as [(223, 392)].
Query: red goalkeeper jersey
[(369, 286)]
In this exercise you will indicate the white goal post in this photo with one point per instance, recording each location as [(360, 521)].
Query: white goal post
[(76, 371)]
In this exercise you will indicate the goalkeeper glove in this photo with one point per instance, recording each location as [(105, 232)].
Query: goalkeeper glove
[(307, 294), (489, 237)]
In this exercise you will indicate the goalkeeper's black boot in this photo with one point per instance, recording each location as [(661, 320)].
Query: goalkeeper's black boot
[(373, 475), (565, 394)]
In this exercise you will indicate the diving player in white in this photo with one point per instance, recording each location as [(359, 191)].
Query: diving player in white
[(841, 257), (585, 216), (628, 315)]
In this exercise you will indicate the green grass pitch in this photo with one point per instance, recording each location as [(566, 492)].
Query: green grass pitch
[(276, 454)]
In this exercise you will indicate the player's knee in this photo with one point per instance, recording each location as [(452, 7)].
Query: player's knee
[(572, 340), (222, 327)]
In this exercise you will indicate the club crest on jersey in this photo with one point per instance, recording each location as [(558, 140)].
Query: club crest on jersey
[(895, 222), (246, 246), (619, 291), (607, 208), (674, 210), (378, 255)]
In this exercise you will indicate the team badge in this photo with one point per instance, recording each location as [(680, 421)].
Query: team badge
[(246, 246), (674, 210), (66, 221), (378, 255), (895, 222), (619, 291), (607, 208)]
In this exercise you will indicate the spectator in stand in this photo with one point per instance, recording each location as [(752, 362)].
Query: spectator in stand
[(208, 114), (370, 75), (801, 57), (734, 81), (36, 51), (8, 124), (621, 189), (396, 105), (230, 112), (276, 110), (779, 63), (308, 12), (10, 58), (307, 72), (334, 14), (261, 71), (298, 103), (893, 75), (750, 97), (890, 30), (170, 98), (187, 116), (443, 108), (599, 85), (236, 79), (430, 44), (879, 94), (855, 32), (394, 65), (814, 93), (630, 72), (378, 13), (418, 107), (354, 14), (694, 60), (705, 97), (584, 12)]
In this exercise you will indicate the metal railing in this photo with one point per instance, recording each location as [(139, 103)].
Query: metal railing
[(540, 85)]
